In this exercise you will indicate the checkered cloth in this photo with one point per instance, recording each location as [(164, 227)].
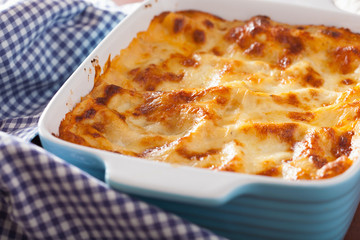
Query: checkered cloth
[(42, 197)]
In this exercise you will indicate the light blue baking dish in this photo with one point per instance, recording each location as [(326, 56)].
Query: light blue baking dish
[(237, 206)]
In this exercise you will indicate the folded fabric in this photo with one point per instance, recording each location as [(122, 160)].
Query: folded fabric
[(41, 196)]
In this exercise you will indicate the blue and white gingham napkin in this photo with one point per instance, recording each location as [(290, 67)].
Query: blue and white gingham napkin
[(41, 197)]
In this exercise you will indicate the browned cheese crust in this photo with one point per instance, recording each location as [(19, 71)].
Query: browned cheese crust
[(255, 97)]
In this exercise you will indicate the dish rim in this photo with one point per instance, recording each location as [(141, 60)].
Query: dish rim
[(47, 135)]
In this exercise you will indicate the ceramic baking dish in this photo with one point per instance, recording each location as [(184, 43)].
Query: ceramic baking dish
[(233, 205)]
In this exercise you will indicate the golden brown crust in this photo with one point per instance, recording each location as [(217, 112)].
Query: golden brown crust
[(255, 96)]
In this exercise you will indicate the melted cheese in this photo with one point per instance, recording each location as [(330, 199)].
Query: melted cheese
[(255, 97)]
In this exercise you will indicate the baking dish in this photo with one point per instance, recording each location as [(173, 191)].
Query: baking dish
[(233, 205)]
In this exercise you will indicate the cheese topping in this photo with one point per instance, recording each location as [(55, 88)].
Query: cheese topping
[(256, 97)]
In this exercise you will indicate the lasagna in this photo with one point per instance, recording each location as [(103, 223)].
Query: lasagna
[(249, 96)]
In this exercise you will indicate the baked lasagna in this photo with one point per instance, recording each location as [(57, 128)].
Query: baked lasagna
[(254, 96)]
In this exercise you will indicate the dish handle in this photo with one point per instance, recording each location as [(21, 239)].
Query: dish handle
[(159, 180)]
